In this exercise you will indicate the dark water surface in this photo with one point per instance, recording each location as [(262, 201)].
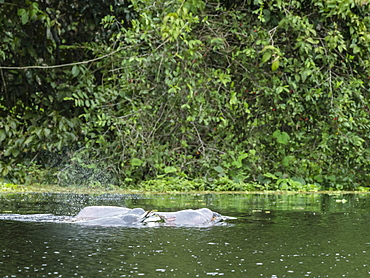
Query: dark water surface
[(274, 236)]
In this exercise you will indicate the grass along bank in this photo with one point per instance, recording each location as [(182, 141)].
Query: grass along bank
[(181, 185)]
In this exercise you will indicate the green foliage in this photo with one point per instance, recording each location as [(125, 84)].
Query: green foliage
[(271, 182), (279, 181), (187, 90), (170, 185)]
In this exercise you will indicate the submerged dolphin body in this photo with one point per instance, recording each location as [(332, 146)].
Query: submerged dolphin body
[(120, 216), (117, 216), (110, 216), (191, 217)]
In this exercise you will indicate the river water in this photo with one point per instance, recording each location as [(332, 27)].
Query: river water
[(313, 235)]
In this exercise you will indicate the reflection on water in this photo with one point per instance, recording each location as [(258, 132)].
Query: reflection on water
[(274, 236)]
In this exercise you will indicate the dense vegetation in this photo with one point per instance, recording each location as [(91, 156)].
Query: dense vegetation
[(218, 95)]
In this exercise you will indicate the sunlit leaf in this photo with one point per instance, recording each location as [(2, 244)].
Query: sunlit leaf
[(219, 169), (266, 56), (136, 162), (170, 169), (275, 64)]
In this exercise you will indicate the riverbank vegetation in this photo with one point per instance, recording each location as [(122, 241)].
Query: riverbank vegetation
[(187, 94)]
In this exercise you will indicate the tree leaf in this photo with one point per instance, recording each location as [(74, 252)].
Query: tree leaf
[(2, 135), (170, 169), (269, 175), (266, 56), (276, 134), (136, 162), (47, 132), (75, 71), (281, 137), (275, 64), (287, 160), (24, 18), (219, 169)]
